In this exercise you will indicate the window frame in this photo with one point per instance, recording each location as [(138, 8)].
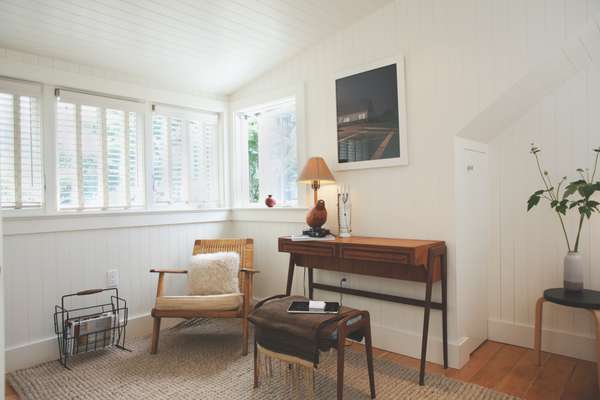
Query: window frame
[(20, 87), (185, 113), (103, 103), (239, 146)]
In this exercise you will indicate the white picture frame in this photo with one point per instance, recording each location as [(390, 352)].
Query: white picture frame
[(402, 139)]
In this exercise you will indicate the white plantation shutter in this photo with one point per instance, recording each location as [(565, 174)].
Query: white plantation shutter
[(177, 165), (185, 162), (99, 152), (204, 162), (21, 176), (160, 158), (134, 161)]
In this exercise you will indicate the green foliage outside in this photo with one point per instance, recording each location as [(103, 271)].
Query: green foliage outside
[(254, 191)]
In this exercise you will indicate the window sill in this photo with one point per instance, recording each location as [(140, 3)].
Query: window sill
[(64, 221), (39, 221), (264, 214)]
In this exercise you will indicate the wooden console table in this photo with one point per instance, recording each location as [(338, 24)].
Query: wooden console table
[(410, 260)]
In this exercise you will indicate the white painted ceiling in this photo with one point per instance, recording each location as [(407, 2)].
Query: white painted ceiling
[(211, 46)]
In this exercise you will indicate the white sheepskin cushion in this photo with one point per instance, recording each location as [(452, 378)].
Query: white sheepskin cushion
[(213, 273)]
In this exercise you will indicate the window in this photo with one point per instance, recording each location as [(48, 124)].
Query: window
[(185, 162), (99, 152), (270, 150), (21, 176)]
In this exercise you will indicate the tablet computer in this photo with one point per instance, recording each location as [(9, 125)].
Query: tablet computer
[(301, 307)]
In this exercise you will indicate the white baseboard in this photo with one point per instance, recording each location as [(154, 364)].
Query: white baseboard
[(34, 353), (553, 341), (409, 343)]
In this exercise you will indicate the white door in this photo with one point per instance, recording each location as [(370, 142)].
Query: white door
[(472, 226)]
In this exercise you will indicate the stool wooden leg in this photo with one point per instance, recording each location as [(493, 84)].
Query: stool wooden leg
[(369, 351), (255, 365), (340, 363), (596, 314), (538, 330)]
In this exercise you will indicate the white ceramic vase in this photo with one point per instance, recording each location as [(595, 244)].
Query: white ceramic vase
[(573, 274)]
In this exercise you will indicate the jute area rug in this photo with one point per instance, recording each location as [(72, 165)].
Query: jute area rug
[(205, 362)]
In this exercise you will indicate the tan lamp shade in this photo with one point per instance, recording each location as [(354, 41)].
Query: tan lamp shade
[(316, 170)]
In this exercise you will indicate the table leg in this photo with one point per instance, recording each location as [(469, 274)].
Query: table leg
[(290, 277), (426, 325), (537, 345), (444, 271), (310, 283), (596, 314)]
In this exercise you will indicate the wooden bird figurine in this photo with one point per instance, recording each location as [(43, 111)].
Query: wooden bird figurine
[(317, 216)]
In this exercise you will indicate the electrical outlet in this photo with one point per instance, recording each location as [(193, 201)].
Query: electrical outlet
[(344, 282), (112, 278)]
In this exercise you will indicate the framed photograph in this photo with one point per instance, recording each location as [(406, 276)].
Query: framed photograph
[(371, 116)]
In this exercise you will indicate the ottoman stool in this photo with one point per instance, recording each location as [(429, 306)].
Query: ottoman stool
[(297, 339)]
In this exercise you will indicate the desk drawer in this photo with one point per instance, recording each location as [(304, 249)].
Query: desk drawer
[(308, 248), (370, 254)]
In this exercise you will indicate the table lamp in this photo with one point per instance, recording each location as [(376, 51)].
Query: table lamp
[(316, 172)]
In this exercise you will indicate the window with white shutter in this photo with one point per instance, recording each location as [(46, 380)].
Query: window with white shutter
[(21, 175), (185, 161), (99, 152)]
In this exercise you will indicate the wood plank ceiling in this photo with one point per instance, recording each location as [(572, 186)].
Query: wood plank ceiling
[(211, 46)]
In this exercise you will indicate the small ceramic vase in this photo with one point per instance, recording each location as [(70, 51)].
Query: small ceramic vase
[(270, 201), (573, 273)]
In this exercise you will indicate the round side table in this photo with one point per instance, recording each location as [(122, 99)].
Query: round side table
[(586, 299)]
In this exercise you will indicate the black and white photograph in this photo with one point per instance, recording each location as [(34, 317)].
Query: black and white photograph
[(369, 117)]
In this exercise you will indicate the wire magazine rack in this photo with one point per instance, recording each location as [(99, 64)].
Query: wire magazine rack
[(86, 329)]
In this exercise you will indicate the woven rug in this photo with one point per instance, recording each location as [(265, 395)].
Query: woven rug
[(205, 362)]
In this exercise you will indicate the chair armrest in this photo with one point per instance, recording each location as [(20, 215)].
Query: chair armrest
[(169, 270), (249, 271)]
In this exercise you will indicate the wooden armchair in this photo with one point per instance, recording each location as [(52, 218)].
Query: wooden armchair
[(214, 306)]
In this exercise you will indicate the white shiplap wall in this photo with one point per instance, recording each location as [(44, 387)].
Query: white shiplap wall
[(460, 56), (528, 248), (40, 268)]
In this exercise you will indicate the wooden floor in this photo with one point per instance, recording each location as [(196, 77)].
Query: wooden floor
[(509, 369)]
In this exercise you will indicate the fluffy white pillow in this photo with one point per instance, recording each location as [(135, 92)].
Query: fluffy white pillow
[(213, 273)]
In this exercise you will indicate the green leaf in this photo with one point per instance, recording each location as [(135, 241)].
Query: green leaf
[(572, 188), (533, 201), (587, 211), (586, 190)]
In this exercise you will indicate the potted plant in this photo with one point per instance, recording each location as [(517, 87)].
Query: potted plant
[(562, 198)]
